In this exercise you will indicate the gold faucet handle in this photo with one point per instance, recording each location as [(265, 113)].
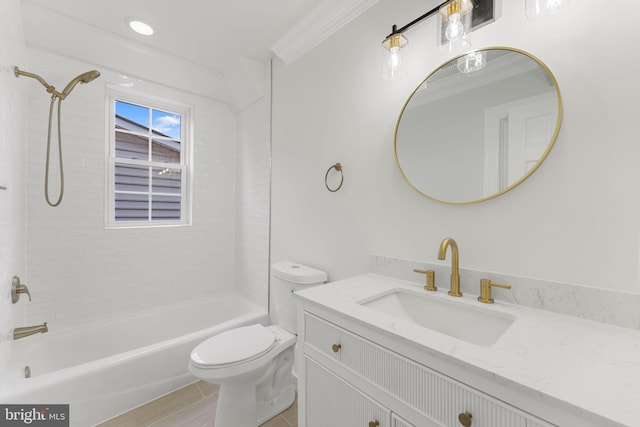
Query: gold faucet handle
[(431, 279), (485, 290)]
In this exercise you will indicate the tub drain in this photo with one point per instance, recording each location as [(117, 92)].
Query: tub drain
[(27, 372)]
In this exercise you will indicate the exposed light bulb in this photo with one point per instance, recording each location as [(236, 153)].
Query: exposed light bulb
[(393, 66), (455, 28), (394, 58)]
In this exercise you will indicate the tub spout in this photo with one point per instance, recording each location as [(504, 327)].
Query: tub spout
[(29, 330)]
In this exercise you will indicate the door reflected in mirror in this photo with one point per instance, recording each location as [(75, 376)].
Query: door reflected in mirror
[(478, 125)]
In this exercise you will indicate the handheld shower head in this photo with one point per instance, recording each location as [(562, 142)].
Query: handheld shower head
[(87, 77), (82, 78)]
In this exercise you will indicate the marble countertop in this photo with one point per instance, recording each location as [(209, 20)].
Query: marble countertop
[(592, 368)]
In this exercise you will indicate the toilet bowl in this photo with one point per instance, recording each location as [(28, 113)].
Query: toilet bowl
[(253, 364)]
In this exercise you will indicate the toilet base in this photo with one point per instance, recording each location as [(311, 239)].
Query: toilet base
[(243, 404), (283, 401), (276, 392), (236, 406)]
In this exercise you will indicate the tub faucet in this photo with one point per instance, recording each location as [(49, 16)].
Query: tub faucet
[(29, 330), (455, 275)]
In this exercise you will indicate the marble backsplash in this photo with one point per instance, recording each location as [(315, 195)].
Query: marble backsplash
[(600, 305)]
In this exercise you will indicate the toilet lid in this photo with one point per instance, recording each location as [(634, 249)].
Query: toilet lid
[(233, 346)]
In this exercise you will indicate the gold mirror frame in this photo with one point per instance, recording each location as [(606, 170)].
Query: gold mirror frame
[(527, 173)]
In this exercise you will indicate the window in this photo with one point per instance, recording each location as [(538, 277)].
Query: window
[(148, 165)]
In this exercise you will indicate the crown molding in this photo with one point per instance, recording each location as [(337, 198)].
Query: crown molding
[(322, 22)]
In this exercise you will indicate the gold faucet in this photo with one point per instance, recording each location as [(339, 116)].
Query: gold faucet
[(29, 330), (455, 275)]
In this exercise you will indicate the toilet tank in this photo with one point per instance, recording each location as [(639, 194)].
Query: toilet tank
[(286, 278)]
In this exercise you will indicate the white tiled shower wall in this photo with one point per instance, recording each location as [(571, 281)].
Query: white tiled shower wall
[(12, 99), (78, 271)]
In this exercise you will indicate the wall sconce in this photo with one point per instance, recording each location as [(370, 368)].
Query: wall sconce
[(393, 67), (453, 11), (537, 9), (456, 13), (459, 22)]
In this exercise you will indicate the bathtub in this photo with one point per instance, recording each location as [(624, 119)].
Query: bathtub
[(104, 369)]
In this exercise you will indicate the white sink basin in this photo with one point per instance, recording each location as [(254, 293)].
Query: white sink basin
[(476, 325)]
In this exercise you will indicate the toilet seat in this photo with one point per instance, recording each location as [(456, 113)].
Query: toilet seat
[(233, 347)]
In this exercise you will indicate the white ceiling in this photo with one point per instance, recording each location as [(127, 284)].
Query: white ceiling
[(202, 31), (226, 41)]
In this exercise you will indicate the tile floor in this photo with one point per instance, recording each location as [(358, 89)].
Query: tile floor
[(191, 406)]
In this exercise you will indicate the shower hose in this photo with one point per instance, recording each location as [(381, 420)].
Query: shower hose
[(46, 174)]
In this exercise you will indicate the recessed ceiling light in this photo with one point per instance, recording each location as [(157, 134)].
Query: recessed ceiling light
[(140, 27)]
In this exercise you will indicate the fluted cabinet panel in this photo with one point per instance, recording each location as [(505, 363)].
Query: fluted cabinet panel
[(433, 394), (439, 398), (333, 402)]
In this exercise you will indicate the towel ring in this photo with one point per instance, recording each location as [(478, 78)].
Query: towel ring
[(337, 167)]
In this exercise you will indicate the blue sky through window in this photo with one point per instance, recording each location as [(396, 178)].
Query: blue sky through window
[(163, 122)]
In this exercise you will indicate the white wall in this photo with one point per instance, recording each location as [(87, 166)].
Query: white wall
[(575, 220), (77, 270), (253, 192), (12, 148)]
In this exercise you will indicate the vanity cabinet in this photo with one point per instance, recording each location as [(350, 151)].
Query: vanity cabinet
[(352, 381), (334, 402)]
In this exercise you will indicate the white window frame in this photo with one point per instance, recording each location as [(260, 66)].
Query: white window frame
[(186, 160)]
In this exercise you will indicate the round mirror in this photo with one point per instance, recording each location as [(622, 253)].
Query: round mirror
[(478, 125)]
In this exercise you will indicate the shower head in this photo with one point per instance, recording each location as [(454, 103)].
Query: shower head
[(82, 78), (87, 77)]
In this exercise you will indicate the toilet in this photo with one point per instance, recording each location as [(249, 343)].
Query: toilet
[(253, 364)]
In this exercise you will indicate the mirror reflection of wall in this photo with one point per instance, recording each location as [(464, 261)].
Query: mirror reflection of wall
[(465, 137)]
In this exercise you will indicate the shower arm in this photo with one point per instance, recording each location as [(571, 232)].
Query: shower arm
[(50, 89)]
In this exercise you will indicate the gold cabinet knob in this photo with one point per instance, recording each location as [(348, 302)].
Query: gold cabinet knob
[(336, 347), (465, 419), (374, 423)]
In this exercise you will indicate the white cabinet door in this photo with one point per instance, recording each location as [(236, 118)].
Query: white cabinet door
[(332, 402)]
